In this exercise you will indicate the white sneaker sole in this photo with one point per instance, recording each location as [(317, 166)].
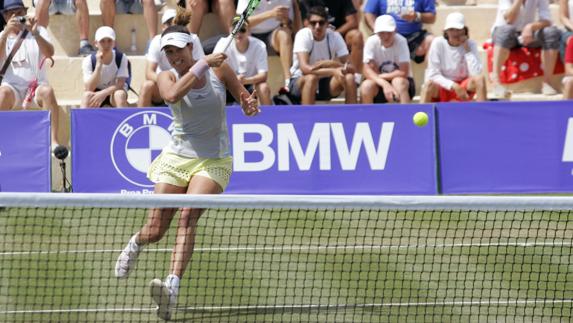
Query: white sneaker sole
[(160, 294)]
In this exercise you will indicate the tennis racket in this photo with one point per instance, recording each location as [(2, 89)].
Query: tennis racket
[(251, 6)]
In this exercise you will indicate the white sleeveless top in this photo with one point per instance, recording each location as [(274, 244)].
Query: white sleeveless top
[(199, 120)]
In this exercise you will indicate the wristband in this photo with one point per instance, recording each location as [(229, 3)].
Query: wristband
[(199, 68), (418, 16)]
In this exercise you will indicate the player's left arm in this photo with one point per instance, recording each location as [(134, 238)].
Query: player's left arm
[(249, 101)]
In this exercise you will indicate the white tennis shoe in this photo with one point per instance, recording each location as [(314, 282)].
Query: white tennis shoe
[(164, 297), (126, 260)]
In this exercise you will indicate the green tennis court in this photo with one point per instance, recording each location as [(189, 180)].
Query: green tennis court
[(294, 266)]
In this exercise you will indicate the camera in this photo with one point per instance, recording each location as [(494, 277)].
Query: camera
[(21, 19)]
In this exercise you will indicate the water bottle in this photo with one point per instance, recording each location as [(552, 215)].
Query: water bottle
[(133, 47)]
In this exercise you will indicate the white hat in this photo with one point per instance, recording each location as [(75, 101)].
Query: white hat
[(176, 39), (455, 20), (168, 14), (104, 32), (384, 23)]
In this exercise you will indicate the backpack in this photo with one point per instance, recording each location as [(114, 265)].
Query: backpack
[(118, 58)]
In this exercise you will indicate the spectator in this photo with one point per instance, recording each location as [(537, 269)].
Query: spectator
[(409, 16), (223, 9), (105, 83), (247, 57), (387, 65), (274, 22), (343, 16), (516, 25), (568, 79), (157, 62), (79, 8), (25, 81), (454, 70), (109, 8), (320, 69), (565, 11)]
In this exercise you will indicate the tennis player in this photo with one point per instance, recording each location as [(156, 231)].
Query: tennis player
[(196, 161)]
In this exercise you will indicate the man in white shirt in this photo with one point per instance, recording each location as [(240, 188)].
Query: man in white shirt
[(105, 83), (320, 69), (157, 62), (274, 22), (454, 72), (25, 82), (525, 23), (387, 65), (247, 57)]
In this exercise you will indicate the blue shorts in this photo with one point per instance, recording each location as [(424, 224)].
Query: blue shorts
[(60, 7), (128, 7)]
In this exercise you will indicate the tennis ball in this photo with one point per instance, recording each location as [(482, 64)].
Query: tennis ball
[(420, 119)]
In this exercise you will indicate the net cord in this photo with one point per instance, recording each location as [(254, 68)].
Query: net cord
[(227, 201)]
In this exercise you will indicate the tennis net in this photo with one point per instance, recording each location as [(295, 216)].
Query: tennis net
[(293, 259)]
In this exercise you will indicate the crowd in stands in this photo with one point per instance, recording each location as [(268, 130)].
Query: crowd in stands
[(321, 50)]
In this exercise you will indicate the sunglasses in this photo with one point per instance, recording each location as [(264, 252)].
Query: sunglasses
[(243, 30), (319, 22)]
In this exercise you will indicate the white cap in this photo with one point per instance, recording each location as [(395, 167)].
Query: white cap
[(455, 20), (168, 14), (384, 23), (176, 39), (104, 32)]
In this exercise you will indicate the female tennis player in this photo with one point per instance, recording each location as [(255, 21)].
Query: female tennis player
[(196, 161)]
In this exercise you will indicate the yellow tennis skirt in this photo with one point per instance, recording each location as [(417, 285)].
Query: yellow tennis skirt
[(177, 170)]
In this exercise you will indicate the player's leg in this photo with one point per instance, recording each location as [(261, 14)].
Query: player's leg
[(158, 221), (211, 180)]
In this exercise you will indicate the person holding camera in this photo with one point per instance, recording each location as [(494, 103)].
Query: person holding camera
[(25, 45), (454, 70)]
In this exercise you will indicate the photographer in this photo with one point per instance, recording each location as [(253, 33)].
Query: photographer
[(25, 81)]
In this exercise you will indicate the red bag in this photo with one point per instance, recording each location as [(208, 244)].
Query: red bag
[(523, 63)]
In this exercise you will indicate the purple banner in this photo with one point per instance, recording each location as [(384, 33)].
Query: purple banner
[(25, 151), (499, 147), (288, 150), (334, 149), (113, 148)]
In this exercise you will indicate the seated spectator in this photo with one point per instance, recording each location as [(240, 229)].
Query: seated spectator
[(343, 16), (274, 22), (320, 69), (247, 57), (25, 82), (454, 70), (516, 25), (79, 8), (223, 9), (387, 65), (104, 83), (568, 79), (109, 8), (157, 62), (566, 18), (409, 16)]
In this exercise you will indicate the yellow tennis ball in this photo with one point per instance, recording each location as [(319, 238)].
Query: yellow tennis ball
[(420, 119)]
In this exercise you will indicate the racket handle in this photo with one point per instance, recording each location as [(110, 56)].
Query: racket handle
[(226, 45)]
